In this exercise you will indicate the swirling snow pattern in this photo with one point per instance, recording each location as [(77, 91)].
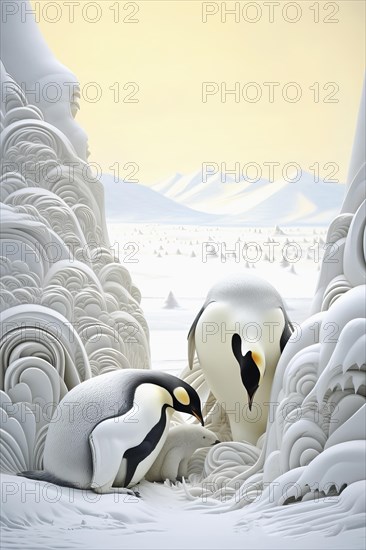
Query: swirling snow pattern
[(314, 445), (318, 399), (69, 308)]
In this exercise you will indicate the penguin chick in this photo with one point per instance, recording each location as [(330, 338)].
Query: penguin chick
[(239, 335), (181, 443), (106, 432)]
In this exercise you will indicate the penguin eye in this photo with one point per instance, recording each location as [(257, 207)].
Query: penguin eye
[(204, 437)]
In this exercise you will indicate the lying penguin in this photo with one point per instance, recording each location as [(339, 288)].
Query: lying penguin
[(106, 432), (239, 335), (181, 443)]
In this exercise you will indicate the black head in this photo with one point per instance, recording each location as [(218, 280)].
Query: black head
[(185, 398), (249, 372)]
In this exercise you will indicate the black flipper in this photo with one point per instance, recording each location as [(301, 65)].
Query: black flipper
[(236, 347), (191, 335), (287, 331), (137, 454), (43, 475)]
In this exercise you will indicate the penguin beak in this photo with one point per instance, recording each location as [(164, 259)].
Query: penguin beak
[(199, 417), (216, 443), (250, 399)]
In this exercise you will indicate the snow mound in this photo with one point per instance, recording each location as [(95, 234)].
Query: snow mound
[(67, 305)]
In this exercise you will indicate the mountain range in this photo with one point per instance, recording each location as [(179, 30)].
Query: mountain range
[(187, 199)]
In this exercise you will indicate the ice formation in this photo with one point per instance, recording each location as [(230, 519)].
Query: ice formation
[(70, 311), (69, 308), (314, 443)]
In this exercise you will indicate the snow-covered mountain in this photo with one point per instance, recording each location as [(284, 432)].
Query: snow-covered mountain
[(303, 201), (189, 199), (216, 195), (134, 202)]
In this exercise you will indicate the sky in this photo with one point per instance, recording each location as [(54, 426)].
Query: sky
[(162, 71)]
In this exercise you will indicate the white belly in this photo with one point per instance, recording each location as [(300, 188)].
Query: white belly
[(114, 436), (213, 335)]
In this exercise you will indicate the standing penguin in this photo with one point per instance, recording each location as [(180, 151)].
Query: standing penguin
[(107, 431), (239, 335)]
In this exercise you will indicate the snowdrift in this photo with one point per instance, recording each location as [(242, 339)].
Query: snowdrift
[(71, 311)]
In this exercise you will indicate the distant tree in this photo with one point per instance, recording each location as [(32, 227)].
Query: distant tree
[(171, 302), (278, 231)]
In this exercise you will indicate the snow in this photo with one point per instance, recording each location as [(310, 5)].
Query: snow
[(300, 198), (190, 200), (189, 277), (47, 516), (66, 317), (133, 201)]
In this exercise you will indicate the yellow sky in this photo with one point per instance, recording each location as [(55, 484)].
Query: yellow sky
[(170, 52)]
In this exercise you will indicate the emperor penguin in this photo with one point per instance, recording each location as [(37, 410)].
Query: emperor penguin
[(107, 432), (239, 335)]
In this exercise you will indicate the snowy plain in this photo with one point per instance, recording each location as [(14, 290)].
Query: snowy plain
[(48, 517), (185, 260), (178, 259), (188, 259)]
